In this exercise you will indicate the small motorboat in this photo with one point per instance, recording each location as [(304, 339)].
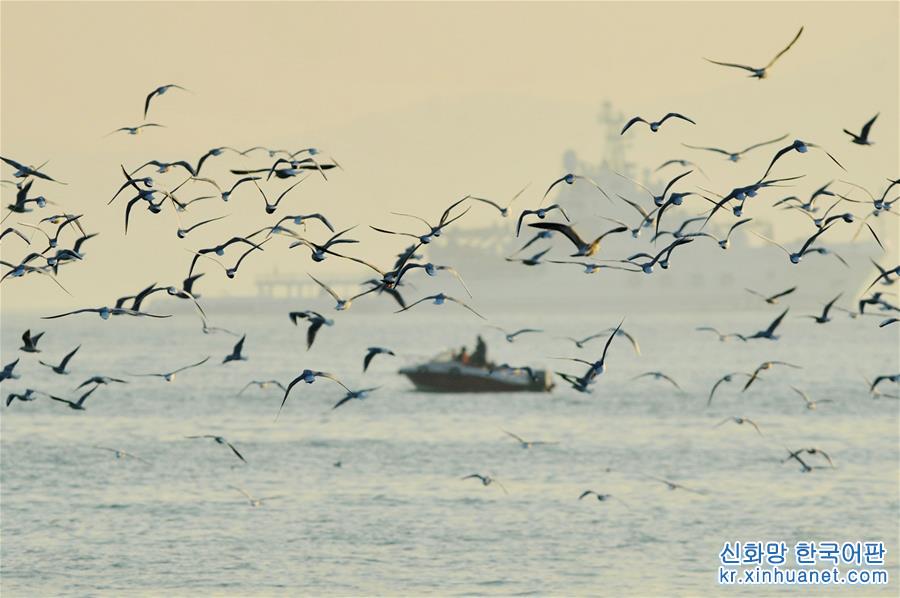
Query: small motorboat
[(446, 374)]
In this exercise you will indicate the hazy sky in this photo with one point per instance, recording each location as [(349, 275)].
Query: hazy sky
[(420, 103)]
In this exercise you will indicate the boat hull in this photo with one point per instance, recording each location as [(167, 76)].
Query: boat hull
[(458, 378)]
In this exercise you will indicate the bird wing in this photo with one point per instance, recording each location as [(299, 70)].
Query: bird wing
[(458, 302), (187, 367), (788, 47), (368, 359), (732, 64), (235, 451), (609, 341), (65, 360), (777, 321), (676, 115), (761, 144), (636, 119), (782, 293), (327, 288)]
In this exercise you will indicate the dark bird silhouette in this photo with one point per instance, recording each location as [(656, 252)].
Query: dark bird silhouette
[(61, 368), (772, 299), (371, 352), (235, 354), (308, 376), (583, 248), (76, 405), (863, 137), (316, 321), (29, 342), (823, 318)]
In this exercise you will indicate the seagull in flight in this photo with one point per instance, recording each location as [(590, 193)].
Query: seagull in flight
[(583, 248), (235, 354), (440, 299), (722, 337), (800, 147), (534, 260), (540, 213), (61, 368), (308, 376), (342, 304), (655, 125), (262, 384), (760, 73), (485, 480), (740, 421), (601, 497), (221, 440), (158, 92), (570, 179), (735, 156), (797, 256), (823, 318), (28, 395), (23, 171), (772, 299), (170, 376), (135, 130), (7, 372), (98, 380), (120, 453), (724, 379), (371, 352), (810, 404), (766, 365), (658, 376), (769, 333), (29, 342), (255, 502), (316, 321), (355, 394), (527, 444), (76, 405), (599, 366), (863, 137), (511, 336), (504, 210)]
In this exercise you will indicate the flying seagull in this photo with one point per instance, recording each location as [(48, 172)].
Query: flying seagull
[(766, 365), (759, 73), (158, 92), (61, 368), (316, 321), (527, 444), (863, 137), (440, 299), (170, 376), (371, 352), (308, 376), (772, 299), (29, 342), (735, 156), (740, 421), (76, 405), (222, 441), (485, 480), (235, 354), (654, 125)]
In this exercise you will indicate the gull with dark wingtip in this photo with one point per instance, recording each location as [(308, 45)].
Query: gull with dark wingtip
[(441, 299), (723, 380), (308, 376)]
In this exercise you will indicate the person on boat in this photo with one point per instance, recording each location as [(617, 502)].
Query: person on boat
[(479, 357), (464, 357)]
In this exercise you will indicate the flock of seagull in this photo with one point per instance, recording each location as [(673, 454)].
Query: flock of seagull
[(57, 242)]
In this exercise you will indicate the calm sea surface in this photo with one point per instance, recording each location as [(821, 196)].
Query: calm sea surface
[(395, 518)]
